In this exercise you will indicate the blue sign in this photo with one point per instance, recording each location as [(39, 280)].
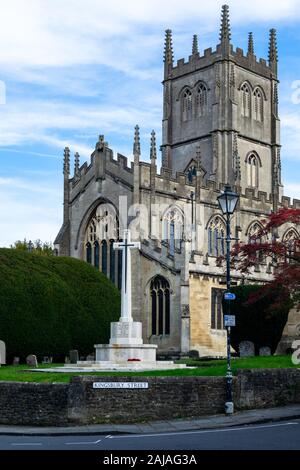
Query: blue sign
[(229, 296), (229, 320)]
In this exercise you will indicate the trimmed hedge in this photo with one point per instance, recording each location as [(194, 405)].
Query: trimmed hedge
[(49, 305), (256, 322)]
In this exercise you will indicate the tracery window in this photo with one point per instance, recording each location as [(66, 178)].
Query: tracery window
[(101, 233), (291, 242), (173, 229), (254, 233), (255, 237), (252, 170), (216, 237), (245, 100), (187, 105), (160, 306), (258, 105), (191, 172), (201, 99)]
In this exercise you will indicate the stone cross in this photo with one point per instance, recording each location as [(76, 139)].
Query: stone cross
[(126, 246)]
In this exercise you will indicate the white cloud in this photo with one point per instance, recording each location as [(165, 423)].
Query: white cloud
[(292, 190), (44, 122), (38, 33), (291, 135), (17, 183), (28, 210)]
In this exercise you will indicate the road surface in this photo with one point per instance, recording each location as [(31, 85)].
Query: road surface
[(270, 436)]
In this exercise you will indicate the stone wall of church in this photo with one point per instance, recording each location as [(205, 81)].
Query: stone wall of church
[(149, 269), (265, 164), (83, 203), (203, 338), (249, 127)]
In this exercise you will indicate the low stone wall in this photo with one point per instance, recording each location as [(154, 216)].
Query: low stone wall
[(23, 403), (165, 398), (265, 388)]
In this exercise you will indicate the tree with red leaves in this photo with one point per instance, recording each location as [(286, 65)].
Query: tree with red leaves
[(284, 256)]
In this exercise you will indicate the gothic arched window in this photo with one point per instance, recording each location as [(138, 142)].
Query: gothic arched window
[(216, 237), (101, 233), (254, 233), (173, 229), (291, 242), (252, 170), (187, 105), (201, 99), (258, 105), (255, 237), (245, 100), (160, 306), (191, 172)]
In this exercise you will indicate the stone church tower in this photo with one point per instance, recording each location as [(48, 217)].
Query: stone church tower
[(220, 126), (224, 102)]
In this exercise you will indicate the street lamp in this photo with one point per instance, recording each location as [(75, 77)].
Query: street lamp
[(227, 201)]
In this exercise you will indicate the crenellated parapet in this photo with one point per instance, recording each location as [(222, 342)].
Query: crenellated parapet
[(224, 50), (210, 57)]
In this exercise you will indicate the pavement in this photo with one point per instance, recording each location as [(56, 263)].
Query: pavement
[(208, 422)]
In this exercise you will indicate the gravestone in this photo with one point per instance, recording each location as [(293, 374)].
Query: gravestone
[(74, 356), (31, 360), (2, 353), (47, 360), (246, 349), (16, 361), (67, 360), (90, 358), (265, 351)]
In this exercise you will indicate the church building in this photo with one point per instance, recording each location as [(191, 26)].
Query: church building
[(220, 126)]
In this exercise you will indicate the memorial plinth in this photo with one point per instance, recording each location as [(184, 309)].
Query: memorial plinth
[(125, 345)]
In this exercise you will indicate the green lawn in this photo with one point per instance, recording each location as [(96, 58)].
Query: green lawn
[(203, 368)]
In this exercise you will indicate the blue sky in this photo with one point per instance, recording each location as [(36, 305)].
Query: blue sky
[(75, 69)]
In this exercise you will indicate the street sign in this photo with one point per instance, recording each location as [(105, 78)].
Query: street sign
[(229, 296), (229, 320), (121, 385)]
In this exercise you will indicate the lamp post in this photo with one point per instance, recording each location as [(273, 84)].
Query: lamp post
[(227, 201)]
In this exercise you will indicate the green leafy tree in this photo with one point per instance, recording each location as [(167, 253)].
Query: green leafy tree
[(52, 304), (38, 247)]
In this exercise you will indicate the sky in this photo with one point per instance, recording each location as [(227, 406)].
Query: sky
[(71, 70)]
